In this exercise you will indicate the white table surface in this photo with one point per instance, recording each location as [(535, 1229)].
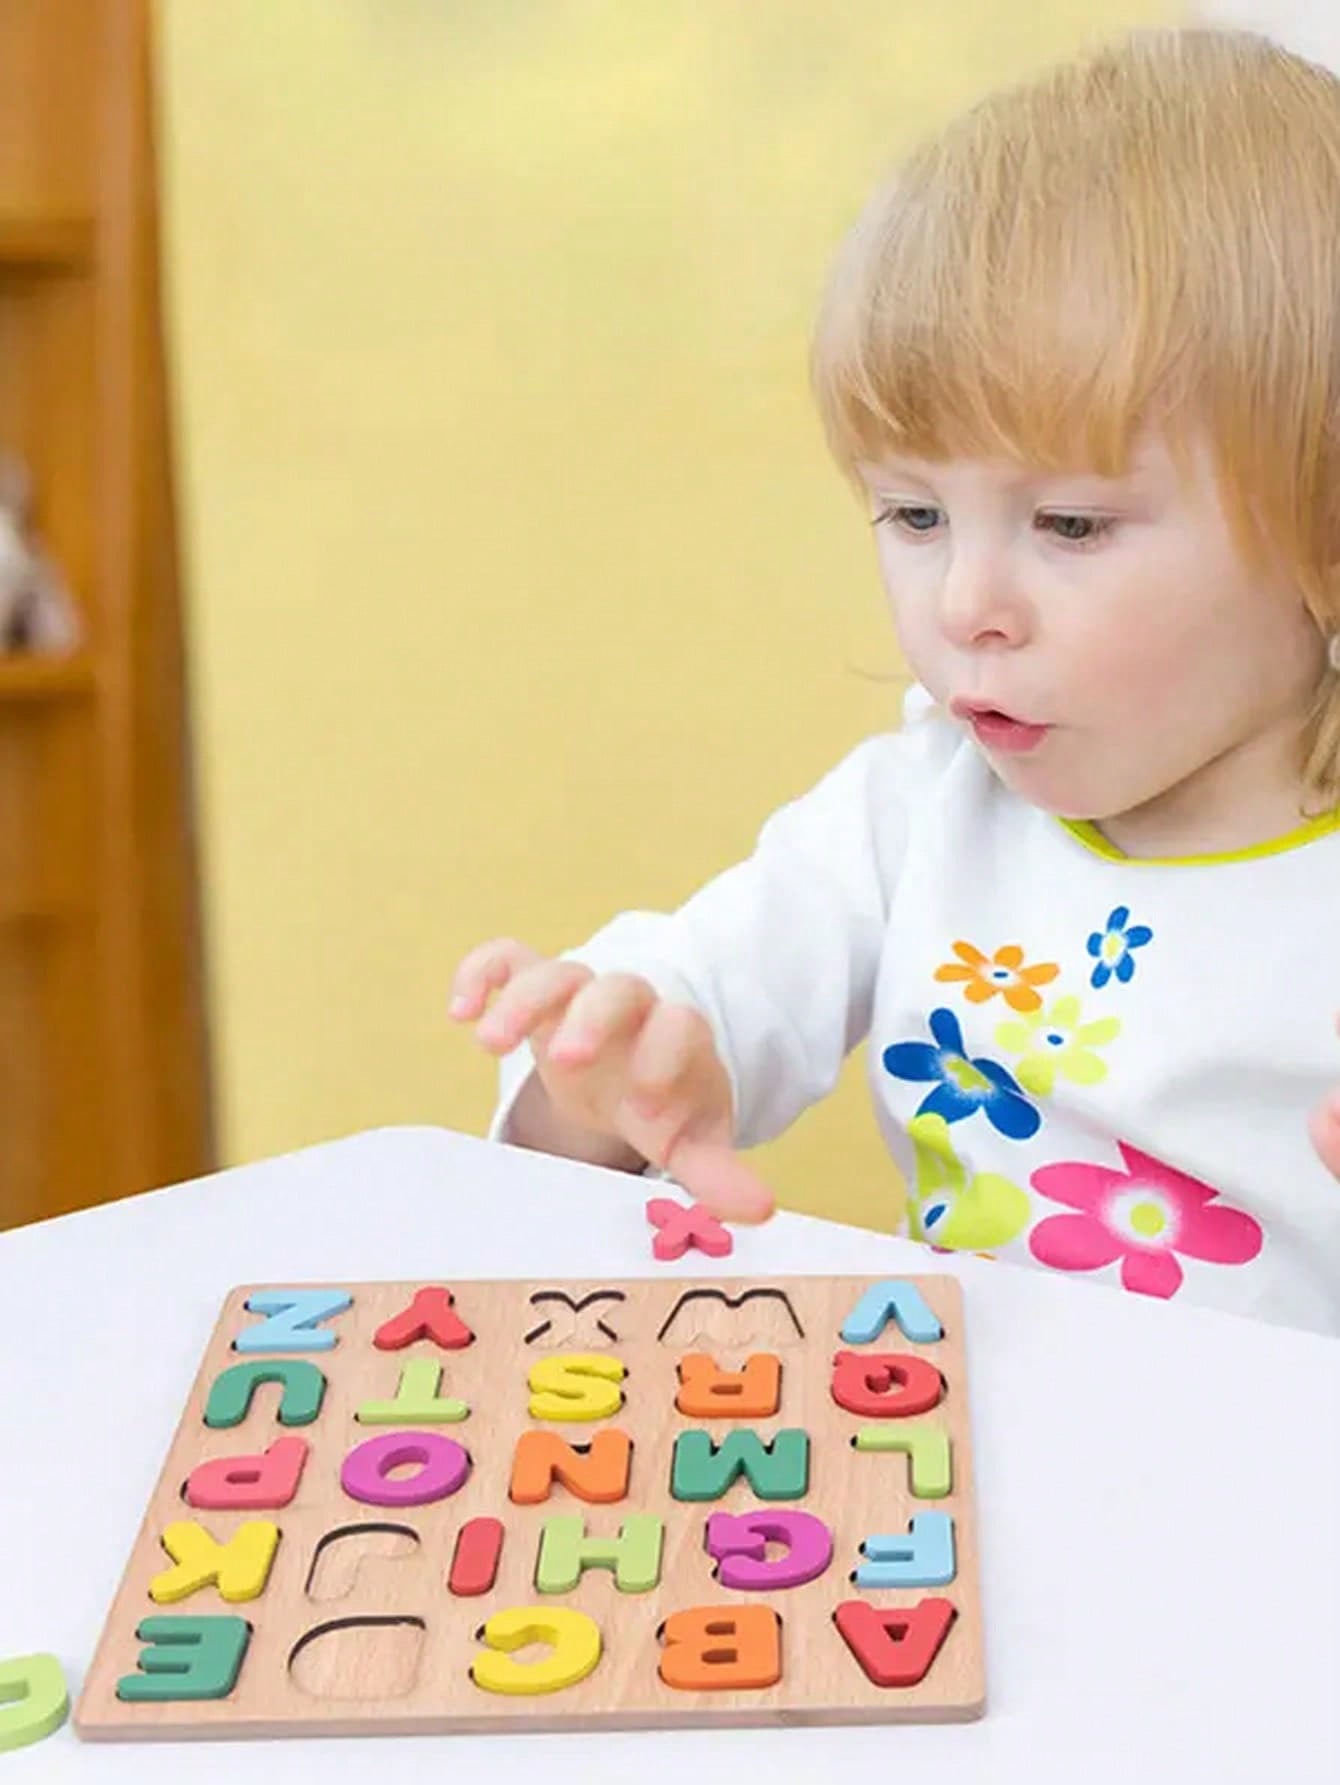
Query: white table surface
[(1158, 1486)]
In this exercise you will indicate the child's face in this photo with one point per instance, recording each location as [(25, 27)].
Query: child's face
[(1112, 620)]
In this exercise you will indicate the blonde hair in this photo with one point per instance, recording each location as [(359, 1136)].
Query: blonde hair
[(1147, 234)]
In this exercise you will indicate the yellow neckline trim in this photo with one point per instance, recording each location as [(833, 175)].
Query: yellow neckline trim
[(1093, 839)]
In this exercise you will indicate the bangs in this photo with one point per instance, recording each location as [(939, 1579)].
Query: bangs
[(987, 311), (1144, 237)]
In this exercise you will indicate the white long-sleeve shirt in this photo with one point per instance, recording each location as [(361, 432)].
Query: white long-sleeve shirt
[(1080, 1062)]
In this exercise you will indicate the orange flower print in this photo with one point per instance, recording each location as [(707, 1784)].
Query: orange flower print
[(1002, 973)]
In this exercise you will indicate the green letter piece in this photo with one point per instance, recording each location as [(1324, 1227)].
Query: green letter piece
[(926, 1445), (416, 1402), (34, 1700), (304, 1387), (702, 1470), (186, 1658), (566, 1550)]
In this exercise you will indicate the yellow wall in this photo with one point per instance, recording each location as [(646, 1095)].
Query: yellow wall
[(521, 586)]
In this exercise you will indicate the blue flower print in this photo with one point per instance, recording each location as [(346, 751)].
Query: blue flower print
[(1113, 947), (964, 1086)]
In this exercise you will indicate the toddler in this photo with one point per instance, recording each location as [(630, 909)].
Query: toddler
[(1079, 358)]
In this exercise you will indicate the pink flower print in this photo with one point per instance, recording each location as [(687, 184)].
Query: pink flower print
[(1143, 1216)]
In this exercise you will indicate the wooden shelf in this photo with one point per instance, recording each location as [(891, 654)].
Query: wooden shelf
[(104, 1058), (43, 913), (33, 678), (46, 244)]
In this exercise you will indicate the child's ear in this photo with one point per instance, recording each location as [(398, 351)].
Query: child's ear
[(16, 488)]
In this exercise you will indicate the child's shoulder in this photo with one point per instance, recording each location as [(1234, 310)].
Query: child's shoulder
[(897, 767), (929, 729), (915, 759), (882, 783)]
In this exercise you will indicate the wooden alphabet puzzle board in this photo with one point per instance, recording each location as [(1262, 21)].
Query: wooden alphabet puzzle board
[(414, 1508)]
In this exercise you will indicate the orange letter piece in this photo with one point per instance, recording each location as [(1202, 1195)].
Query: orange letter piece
[(722, 1648), (597, 1472), (706, 1392)]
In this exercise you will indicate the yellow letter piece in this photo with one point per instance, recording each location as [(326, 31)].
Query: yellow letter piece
[(580, 1385), (241, 1566), (574, 1638)]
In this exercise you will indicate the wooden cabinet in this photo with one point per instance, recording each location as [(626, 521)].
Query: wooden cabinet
[(104, 1086)]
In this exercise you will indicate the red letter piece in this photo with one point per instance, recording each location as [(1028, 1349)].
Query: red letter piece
[(249, 1483), (895, 1647), (429, 1316), (474, 1565), (682, 1227), (884, 1386)]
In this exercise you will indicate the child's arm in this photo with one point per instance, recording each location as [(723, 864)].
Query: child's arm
[(1326, 1132), (744, 1002)]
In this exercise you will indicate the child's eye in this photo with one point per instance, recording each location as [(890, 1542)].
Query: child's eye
[(911, 517), (1075, 529)]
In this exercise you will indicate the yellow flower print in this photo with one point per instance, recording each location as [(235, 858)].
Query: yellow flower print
[(1002, 974), (1057, 1041), (950, 1210)]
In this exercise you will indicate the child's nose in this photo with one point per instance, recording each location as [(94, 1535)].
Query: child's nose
[(979, 604)]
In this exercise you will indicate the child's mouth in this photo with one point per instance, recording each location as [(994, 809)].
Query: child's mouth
[(999, 731)]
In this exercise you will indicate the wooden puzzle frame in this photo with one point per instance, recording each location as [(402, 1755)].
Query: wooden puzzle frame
[(369, 1612)]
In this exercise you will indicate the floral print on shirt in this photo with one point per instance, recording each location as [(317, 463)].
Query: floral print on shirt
[(1143, 1216), (1113, 947), (962, 1085), (1058, 1041), (951, 1210), (1002, 974)]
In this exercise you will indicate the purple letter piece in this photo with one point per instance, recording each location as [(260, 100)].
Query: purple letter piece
[(740, 1544), (443, 1467)]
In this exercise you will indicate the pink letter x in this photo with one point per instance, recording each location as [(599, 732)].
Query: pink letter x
[(682, 1227)]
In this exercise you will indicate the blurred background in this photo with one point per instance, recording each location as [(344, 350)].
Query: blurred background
[(415, 526)]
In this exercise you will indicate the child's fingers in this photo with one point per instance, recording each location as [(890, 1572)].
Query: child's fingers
[(674, 1040), (679, 1089), (602, 1009), (486, 969), (1326, 1134), (716, 1176), (536, 997)]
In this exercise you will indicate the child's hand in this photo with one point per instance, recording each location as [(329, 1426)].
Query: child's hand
[(1326, 1132), (618, 1061)]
